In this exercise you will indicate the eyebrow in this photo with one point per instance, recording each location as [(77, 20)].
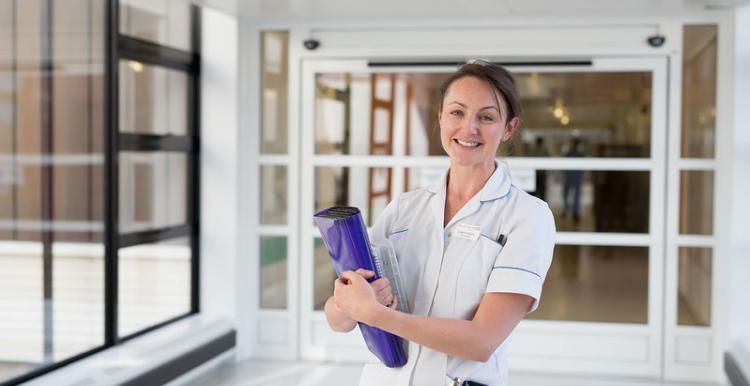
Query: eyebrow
[(485, 107)]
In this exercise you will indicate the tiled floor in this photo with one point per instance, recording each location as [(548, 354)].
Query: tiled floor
[(282, 373)]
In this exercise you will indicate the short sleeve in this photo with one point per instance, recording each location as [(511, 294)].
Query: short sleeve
[(384, 223), (522, 264)]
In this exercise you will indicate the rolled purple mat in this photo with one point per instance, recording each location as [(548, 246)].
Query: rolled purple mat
[(345, 235)]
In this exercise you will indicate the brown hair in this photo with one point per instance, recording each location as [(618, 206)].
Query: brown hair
[(498, 78)]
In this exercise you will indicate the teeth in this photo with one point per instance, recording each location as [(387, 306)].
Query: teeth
[(467, 144)]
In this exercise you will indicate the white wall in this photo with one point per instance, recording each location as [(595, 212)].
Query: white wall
[(739, 276), (219, 166)]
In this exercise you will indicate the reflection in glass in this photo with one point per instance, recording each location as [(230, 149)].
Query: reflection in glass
[(273, 194), (369, 189), (154, 284), (608, 113), (153, 100), (696, 202), (165, 22), (153, 190), (597, 284), (273, 278), (699, 53), (324, 275), (592, 201), (694, 286), (274, 95), (581, 201), (51, 181)]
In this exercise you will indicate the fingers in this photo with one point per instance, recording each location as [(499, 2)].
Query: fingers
[(351, 277), (386, 300), (337, 284), (381, 283), (365, 273), (394, 304)]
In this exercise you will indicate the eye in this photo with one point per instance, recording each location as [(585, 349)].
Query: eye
[(487, 118), (457, 113)]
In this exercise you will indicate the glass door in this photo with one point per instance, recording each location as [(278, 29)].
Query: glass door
[(592, 144)]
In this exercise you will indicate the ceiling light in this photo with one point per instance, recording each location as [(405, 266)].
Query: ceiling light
[(135, 66)]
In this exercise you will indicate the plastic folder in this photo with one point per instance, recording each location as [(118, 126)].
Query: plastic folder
[(345, 235)]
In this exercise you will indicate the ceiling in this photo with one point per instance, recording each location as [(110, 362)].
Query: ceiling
[(280, 10)]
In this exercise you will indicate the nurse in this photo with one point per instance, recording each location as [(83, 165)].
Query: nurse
[(473, 249)]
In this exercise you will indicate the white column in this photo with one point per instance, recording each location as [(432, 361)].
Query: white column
[(739, 257), (219, 167)]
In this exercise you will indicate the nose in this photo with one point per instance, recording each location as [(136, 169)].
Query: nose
[(472, 126)]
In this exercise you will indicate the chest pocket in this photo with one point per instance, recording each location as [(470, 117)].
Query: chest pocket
[(471, 281)]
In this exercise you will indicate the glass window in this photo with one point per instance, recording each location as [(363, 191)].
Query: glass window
[(699, 53), (273, 194), (369, 189), (165, 22), (694, 287), (273, 278), (153, 190), (596, 201), (51, 179), (696, 202), (596, 284), (154, 284), (153, 100), (274, 93), (323, 275), (581, 201), (586, 114)]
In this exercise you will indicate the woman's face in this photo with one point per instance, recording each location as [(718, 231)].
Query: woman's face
[(473, 122)]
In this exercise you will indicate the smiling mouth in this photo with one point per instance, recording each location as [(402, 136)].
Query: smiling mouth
[(469, 144)]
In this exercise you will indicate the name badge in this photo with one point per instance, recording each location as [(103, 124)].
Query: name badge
[(467, 231)]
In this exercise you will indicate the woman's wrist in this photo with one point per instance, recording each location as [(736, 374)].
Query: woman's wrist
[(338, 320), (374, 315)]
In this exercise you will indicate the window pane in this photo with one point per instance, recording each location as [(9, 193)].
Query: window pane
[(699, 52), (581, 201), (273, 278), (153, 190), (273, 194), (165, 22), (369, 189), (51, 179), (324, 275), (608, 114), (154, 284), (274, 79), (153, 100), (597, 284), (596, 201), (696, 202), (694, 293)]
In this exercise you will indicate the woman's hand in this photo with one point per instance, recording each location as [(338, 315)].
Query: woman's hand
[(357, 298), (382, 287)]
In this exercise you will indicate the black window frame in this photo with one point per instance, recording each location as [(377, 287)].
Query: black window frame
[(120, 46)]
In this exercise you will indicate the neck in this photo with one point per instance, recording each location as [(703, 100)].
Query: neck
[(465, 181)]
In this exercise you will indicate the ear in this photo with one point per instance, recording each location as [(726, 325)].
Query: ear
[(511, 127)]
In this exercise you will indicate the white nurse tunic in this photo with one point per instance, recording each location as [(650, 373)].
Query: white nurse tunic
[(447, 270)]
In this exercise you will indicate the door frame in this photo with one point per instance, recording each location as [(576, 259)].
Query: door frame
[(642, 345)]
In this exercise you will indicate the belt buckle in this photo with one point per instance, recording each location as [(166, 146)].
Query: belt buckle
[(457, 381)]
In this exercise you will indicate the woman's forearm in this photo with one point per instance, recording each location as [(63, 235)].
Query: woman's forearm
[(338, 320), (462, 338)]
